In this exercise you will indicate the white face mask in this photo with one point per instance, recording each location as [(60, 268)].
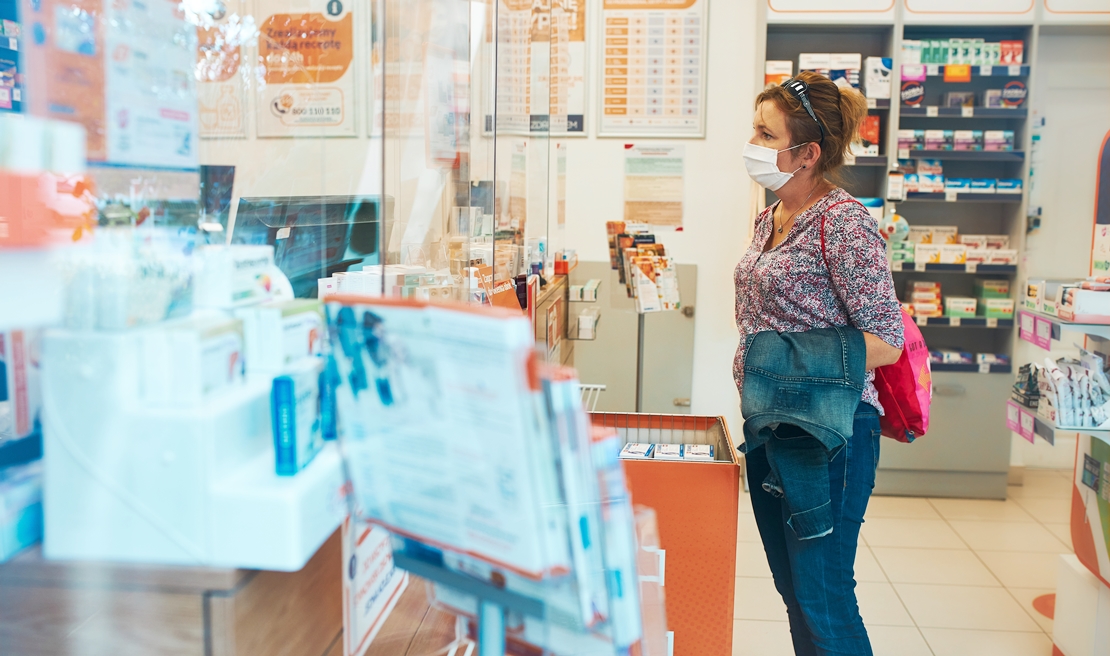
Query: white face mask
[(763, 165)]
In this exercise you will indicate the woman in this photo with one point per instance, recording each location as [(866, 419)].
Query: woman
[(789, 281)]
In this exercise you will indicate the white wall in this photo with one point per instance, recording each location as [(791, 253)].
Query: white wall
[(717, 202), (1072, 92)]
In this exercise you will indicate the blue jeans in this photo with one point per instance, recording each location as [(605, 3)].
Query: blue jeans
[(816, 577)]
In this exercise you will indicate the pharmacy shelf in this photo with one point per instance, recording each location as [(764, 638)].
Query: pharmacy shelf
[(906, 267), (1029, 423), (969, 155), (1102, 331), (870, 160), (973, 368), (964, 322), (19, 451), (918, 196), (878, 103), (937, 70), (960, 112)]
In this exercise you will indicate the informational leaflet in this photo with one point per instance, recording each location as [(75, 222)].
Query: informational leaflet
[(305, 63), (541, 67), (443, 430), (372, 586), (654, 185), (654, 73), (220, 70)]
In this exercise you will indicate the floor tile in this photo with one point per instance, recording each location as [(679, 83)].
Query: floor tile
[(937, 566), (1040, 485), (1023, 570), (981, 510), (746, 530), (1047, 511), (900, 508), (880, 606), (1025, 597), (745, 503), (923, 533), (867, 568), (964, 607), (761, 638), (751, 560), (1063, 533), (955, 642), (1007, 536), (898, 641), (757, 599)]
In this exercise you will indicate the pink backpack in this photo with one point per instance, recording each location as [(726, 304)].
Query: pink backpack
[(905, 387)]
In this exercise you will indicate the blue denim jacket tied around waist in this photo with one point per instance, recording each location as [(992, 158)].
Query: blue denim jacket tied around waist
[(801, 391)]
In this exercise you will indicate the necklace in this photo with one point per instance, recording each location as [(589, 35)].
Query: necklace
[(782, 226)]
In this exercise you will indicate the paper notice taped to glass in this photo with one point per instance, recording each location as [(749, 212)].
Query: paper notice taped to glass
[(654, 185)]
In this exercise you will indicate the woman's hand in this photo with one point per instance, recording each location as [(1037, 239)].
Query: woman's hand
[(879, 353)]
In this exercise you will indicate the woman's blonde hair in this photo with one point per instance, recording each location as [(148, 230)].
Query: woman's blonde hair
[(839, 110)]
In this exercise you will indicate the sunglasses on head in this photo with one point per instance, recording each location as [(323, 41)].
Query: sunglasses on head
[(799, 89)]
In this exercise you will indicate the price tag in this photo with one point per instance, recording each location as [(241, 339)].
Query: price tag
[(919, 266), (954, 322), (903, 153), (1028, 426), (849, 159), (992, 323), (872, 103), (972, 267), (986, 71), (923, 321), (951, 195), (895, 266), (282, 233), (932, 69), (13, 44), (1014, 71), (984, 367), (967, 112), (17, 95), (932, 111)]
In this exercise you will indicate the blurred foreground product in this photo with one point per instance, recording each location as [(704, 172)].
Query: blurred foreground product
[(20, 508)]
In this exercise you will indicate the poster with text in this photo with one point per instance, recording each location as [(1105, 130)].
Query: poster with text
[(654, 70), (654, 185), (541, 67), (372, 585), (306, 84), (221, 69)]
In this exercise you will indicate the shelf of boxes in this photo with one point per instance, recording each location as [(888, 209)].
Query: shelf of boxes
[(937, 70), (973, 368), (1027, 423), (918, 196), (1058, 325), (965, 112), (925, 267), (966, 155), (964, 322), (869, 160)]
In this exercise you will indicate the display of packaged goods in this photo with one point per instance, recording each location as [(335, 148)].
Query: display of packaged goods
[(998, 140), (939, 139), (982, 186), (278, 333), (697, 452), (869, 136), (1008, 186), (1012, 52), (294, 405), (924, 297), (930, 166), (993, 98), (927, 310), (957, 184), (923, 286), (912, 51), (589, 290), (987, 288), (668, 452), (946, 235), (586, 325), (953, 254), (906, 166), (998, 242), (991, 358), (777, 71), (959, 306), (183, 362), (21, 519), (967, 140), (1007, 256), (637, 451), (927, 253), (930, 183), (996, 308), (920, 234), (959, 99), (820, 62), (911, 139), (877, 77), (950, 356), (974, 242), (232, 276), (912, 184), (1085, 305)]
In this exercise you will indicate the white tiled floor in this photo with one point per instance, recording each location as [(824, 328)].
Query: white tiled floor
[(936, 577)]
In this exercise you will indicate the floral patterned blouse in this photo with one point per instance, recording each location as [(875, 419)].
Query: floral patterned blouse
[(790, 289)]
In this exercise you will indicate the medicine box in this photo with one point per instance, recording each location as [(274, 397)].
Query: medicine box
[(924, 297), (927, 253), (959, 99), (957, 184), (993, 98), (920, 234), (967, 140), (985, 288), (668, 452), (877, 77), (294, 407), (1008, 186), (637, 451), (982, 186), (702, 452), (777, 71), (959, 306), (589, 290), (974, 242), (946, 235), (930, 166), (926, 309), (1085, 306), (939, 139), (912, 183), (814, 61), (998, 140), (996, 308), (1007, 256), (232, 276), (953, 254), (998, 241)]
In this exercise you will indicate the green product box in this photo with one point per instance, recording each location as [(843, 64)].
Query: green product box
[(992, 289), (996, 308)]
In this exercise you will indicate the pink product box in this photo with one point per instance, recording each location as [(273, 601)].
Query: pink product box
[(939, 139), (998, 140), (968, 140)]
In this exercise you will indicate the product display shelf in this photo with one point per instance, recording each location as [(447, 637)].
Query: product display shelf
[(1101, 331), (878, 103), (1026, 422), (967, 155), (930, 267), (973, 368), (918, 196), (964, 322), (868, 160), (965, 112), (937, 70)]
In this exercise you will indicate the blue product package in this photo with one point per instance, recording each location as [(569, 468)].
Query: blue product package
[(20, 508), (982, 185), (295, 408), (329, 418), (1008, 186), (961, 184)]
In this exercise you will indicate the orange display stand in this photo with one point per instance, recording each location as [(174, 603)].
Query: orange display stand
[(696, 505)]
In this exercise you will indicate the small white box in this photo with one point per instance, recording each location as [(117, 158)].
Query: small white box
[(233, 276), (589, 290), (878, 74), (637, 451), (927, 254), (702, 452), (814, 61), (574, 293), (946, 235), (953, 254), (673, 451)]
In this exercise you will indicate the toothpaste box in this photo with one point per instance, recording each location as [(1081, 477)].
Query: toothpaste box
[(697, 452), (996, 140), (637, 451), (1012, 52), (930, 166), (953, 254), (959, 306), (927, 253), (668, 452), (967, 140), (1008, 186), (982, 186)]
